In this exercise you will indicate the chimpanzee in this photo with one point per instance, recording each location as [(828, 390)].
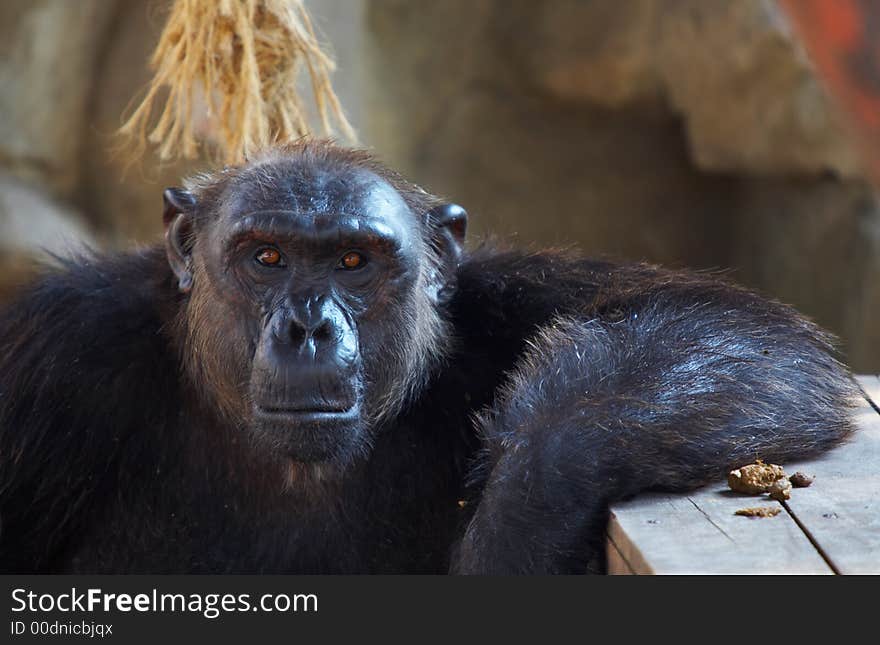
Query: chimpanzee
[(312, 375)]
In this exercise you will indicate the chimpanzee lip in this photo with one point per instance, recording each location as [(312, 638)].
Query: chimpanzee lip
[(306, 412)]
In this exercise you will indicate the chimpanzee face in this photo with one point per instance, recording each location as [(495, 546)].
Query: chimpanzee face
[(313, 303)]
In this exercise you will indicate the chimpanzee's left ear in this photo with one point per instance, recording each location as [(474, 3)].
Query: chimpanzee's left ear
[(177, 218), (448, 225)]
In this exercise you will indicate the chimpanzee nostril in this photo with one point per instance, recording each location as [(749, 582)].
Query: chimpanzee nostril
[(298, 333), (324, 331)]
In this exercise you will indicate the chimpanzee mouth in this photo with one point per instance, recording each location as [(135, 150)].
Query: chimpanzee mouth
[(310, 433), (310, 413)]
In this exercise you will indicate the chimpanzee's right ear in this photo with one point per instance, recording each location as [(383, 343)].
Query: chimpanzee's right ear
[(177, 217)]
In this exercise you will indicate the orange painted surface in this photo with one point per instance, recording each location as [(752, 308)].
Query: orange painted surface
[(842, 38)]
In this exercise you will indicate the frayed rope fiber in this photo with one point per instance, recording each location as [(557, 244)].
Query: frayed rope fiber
[(230, 70)]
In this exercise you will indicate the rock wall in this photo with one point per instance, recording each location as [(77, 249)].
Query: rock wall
[(688, 133)]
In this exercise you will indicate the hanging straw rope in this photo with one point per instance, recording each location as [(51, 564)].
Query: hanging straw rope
[(236, 64)]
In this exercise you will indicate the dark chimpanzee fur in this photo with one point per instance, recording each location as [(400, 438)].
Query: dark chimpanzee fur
[(200, 408)]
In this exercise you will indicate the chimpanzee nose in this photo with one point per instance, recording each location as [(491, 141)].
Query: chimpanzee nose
[(312, 323), (320, 330)]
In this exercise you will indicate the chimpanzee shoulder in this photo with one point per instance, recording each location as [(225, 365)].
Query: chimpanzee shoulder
[(84, 364)]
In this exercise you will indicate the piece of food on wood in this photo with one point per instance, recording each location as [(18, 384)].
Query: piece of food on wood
[(801, 480), (759, 511), (780, 490), (755, 478)]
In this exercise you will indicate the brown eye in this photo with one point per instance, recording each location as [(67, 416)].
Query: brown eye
[(269, 257), (352, 260)]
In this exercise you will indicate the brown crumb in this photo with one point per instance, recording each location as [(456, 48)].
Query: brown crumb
[(780, 490), (759, 511), (801, 480), (755, 478)]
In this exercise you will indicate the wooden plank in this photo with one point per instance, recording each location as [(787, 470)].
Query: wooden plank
[(841, 510), (871, 386), (617, 563), (699, 533), (833, 526), (629, 560)]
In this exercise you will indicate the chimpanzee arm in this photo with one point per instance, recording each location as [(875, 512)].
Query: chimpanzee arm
[(73, 350), (668, 396)]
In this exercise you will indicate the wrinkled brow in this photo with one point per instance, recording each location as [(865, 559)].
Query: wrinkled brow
[(315, 228)]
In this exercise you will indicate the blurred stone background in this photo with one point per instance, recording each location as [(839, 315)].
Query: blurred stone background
[(685, 132)]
